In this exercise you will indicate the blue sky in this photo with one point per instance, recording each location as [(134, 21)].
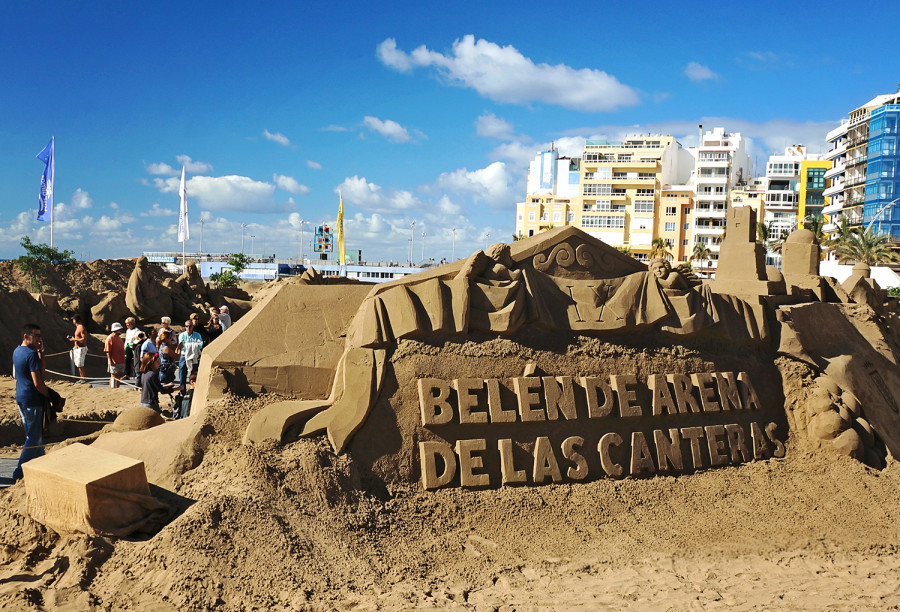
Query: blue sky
[(415, 111)]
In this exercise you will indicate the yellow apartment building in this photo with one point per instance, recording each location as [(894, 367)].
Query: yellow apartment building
[(676, 205)]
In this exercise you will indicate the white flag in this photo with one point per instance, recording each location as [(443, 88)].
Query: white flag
[(184, 231)]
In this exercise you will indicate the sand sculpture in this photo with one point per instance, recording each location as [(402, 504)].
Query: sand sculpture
[(85, 489), (145, 298)]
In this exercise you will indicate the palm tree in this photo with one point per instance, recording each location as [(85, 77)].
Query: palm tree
[(775, 244), (701, 252), (865, 246), (659, 249), (762, 233), (839, 239)]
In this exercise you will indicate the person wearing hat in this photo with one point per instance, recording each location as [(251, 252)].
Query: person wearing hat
[(224, 317), (114, 347)]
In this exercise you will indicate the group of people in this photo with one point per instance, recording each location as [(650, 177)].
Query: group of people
[(158, 361)]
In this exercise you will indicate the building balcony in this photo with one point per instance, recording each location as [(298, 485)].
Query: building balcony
[(833, 190), (830, 227), (854, 181), (714, 163), (838, 131), (855, 161), (712, 180), (709, 213), (833, 209), (839, 149), (714, 197), (708, 230), (836, 169)]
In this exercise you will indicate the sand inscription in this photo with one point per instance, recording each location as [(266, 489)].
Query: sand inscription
[(603, 406)]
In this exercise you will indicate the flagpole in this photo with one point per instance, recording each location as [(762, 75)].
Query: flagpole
[(53, 174)]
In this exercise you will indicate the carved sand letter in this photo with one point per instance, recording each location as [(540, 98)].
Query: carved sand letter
[(611, 468), (779, 447), (508, 472), (467, 400), (626, 396), (495, 406), (641, 458), (468, 463), (435, 409), (545, 463), (662, 398), (428, 452), (748, 394), (704, 381), (715, 445), (694, 434), (591, 385), (683, 385), (559, 396), (761, 447), (737, 443), (729, 394), (570, 448), (525, 393), (668, 450)]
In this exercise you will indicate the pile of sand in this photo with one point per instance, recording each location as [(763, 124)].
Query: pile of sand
[(291, 527)]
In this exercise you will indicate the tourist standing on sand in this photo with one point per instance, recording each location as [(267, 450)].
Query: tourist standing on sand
[(149, 345), (224, 318), (114, 348), (214, 327), (132, 361), (168, 365), (79, 351), (150, 385), (165, 324), (190, 344), (28, 364)]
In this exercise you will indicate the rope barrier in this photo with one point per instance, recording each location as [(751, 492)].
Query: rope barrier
[(122, 381)]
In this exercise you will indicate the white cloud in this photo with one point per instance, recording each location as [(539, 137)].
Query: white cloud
[(225, 192), (289, 184), (387, 128), (490, 184), (106, 224), (277, 137), (505, 75), (313, 165), (491, 126), (334, 128), (699, 73), (157, 211), (359, 192), (194, 167), (81, 199), (161, 169)]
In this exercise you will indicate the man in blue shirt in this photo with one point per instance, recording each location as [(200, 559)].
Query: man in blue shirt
[(28, 363)]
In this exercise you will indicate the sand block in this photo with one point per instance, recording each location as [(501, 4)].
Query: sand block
[(83, 489)]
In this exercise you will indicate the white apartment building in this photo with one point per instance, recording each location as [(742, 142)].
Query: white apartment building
[(721, 161), (782, 196)]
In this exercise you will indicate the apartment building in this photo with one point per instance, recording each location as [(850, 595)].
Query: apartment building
[(553, 194), (621, 185), (676, 204), (812, 200), (721, 163), (862, 182)]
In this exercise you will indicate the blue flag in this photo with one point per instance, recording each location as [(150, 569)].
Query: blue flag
[(45, 199)]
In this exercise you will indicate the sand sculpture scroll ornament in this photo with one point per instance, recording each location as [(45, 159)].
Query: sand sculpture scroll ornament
[(575, 285)]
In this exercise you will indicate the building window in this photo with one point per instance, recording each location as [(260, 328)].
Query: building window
[(687, 226), (671, 211), (531, 216), (687, 211), (557, 217), (670, 227), (570, 217), (645, 192), (643, 207), (594, 189), (815, 178), (603, 222), (685, 242)]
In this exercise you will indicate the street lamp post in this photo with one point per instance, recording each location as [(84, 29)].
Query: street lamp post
[(423, 246), (412, 241), (243, 225), (251, 243), (487, 239), (202, 221), (453, 244)]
